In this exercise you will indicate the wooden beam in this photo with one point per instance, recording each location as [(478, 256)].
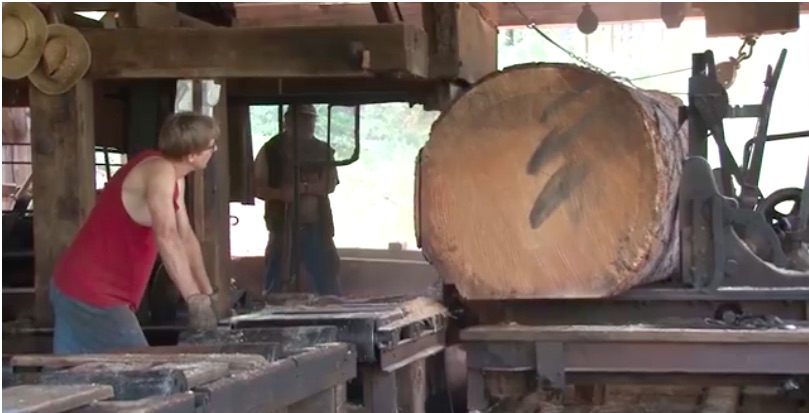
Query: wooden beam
[(314, 14), (462, 45), (209, 207), (216, 240), (240, 152), (384, 12), (257, 52), (345, 91), (64, 180), (545, 14)]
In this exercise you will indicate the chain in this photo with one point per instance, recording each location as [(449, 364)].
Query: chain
[(533, 26), (748, 42), (745, 50)]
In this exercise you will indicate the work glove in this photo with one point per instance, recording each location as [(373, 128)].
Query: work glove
[(201, 313)]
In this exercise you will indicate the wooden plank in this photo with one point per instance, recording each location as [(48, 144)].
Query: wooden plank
[(197, 374), (240, 152), (256, 52), (234, 361), (183, 402), (52, 399), (384, 12), (462, 44), (477, 44), (129, 382), (63, 138), (328, 401), (215, 239), (631, 333), (313, 14), (346, 91)]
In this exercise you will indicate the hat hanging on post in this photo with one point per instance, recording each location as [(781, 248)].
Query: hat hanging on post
[(24, 34), (65, 60)]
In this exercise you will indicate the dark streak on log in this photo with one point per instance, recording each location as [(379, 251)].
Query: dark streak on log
[(558, 189), (564, 99), (557, 141)]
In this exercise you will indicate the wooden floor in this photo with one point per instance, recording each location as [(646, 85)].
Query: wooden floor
[(664, 399)]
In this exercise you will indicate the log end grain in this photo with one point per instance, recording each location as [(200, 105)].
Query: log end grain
[(551, 181)]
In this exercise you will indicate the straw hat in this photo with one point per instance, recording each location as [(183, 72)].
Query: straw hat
[(65, 60), (24, 34)]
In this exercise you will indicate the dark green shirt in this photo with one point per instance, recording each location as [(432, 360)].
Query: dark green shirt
[(312, 155)]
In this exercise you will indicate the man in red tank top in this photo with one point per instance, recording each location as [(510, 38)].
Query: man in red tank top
[(100, 279)]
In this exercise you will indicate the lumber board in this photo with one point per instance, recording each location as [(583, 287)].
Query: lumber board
[(191, 53), (234, 361), (183, 402), (462, 44), (128, 382), (551, 181), (631, 333), (52, 399)]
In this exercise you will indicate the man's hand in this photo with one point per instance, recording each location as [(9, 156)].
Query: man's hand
[(201, 313)]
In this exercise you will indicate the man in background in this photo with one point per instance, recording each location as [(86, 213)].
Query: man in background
[(273, 173)]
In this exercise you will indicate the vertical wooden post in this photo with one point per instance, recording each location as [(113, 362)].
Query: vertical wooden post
[(210, 208), (63, 142), (240, 154), (217, 201)]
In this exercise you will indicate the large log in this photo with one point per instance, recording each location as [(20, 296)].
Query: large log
[(551, 181)]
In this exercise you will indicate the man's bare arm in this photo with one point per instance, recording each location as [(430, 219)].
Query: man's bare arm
[(264, 191), (191, 243), (160, 181)]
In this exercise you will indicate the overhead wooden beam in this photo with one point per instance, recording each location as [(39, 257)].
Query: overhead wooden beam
[(345, 91), (257, 52), (463, 45), (133, 14), (507, 15), (314, 14), (62, 139), (384, 12)]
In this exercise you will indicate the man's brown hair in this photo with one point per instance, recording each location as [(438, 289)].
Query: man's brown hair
[(186, 133)]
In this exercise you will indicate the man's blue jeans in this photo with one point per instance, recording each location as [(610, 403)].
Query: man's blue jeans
[(315, 255), (80, 328)]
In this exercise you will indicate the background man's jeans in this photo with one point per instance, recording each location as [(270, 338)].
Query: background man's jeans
[(316, 256)]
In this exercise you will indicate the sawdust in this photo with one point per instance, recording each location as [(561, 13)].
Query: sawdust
[(417, 310)]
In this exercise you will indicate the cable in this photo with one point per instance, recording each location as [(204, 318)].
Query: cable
[(671, 72), (532, 25)]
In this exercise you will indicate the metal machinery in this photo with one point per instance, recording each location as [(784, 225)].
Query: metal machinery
[(723, 318)]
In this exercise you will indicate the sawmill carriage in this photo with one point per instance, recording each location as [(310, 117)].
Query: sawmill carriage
[(585, 239), (701, 251)]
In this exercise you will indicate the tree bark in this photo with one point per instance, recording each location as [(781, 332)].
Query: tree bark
[(552, 181)]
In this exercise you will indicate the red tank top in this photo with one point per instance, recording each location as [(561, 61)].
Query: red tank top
[(110, 260)]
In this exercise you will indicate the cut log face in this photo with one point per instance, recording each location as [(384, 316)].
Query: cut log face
[(551, 181)]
